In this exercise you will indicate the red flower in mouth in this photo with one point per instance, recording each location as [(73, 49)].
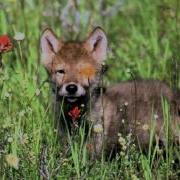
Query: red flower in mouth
[(5, 43), (74, 113)]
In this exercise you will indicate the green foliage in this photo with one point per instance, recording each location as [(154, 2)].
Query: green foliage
[(144, 41)]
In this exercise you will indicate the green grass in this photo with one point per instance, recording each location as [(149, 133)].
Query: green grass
[(144, 38)]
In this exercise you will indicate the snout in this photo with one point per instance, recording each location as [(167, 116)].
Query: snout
[(72, 91), (71, 88)]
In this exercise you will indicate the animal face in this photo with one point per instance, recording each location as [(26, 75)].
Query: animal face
[(74, 66)]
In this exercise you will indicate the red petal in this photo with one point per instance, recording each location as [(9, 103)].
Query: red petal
[(74, 113), (5, 43)]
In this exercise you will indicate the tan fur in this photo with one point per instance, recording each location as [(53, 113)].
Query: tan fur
[(137, 112), (72, 57), (125, 108)]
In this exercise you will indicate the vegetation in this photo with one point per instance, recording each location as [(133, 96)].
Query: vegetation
[(144, 41)]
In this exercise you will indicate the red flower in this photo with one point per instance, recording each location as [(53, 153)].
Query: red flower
[(74, 113), (5, 44)]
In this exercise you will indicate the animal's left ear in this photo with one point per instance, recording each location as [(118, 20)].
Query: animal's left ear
[(50, 45), (96, 44)]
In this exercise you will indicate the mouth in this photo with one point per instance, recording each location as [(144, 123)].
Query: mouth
[(72, 99), (76, 99)]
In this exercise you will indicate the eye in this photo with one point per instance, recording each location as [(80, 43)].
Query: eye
[(61, 71)]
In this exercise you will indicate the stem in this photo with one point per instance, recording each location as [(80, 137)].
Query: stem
[(20, 51), (1, 64), (135, 100), (21, 56)]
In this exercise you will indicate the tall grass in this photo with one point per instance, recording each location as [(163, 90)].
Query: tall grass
[(144, 39)]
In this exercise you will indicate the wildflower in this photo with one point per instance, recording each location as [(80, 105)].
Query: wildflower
[(117, 157), (98, 128), (8, 122), (145, 127), (8, 95), (32, 157), (29, 110), (128, 70), (22, 113), (159, 151), (124, 147), (123, 121), (65, 161), (156, 116), (35, 78), (10, 139), (24, 139), (74, 113), (122, 141), (12, 160), (5, 44), (4, 126), (134, 177), (19, 36), (129, 136), (37, 92), (5, 77), (126, 103), (133, 145), (122, 153), (55, 130), (126, 157), (138, 123)]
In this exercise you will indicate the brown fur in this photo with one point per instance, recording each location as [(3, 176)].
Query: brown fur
[(72, 57), (139, 105), (127, 107)]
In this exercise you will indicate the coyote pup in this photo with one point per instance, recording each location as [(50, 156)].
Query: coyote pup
[(75, 69)]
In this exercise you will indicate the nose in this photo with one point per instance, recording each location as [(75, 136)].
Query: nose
[(71, 88)]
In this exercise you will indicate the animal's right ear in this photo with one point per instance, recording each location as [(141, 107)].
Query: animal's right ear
[(50, 45), (96, 44)]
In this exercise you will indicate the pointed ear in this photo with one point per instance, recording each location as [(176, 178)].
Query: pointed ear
[(96, 44), (50, 45)]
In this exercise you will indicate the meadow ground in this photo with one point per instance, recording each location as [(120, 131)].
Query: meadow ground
[(144, 41)]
